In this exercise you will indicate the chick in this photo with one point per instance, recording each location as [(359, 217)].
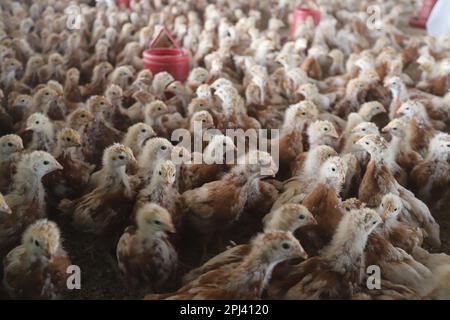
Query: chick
[(162, 191), (145, 256), (209, 214), (288, 217), (322, 132), (72, 92), (154, 150), (378, 181), (72, 180), (43, 132), (37, 269), (4, 208), (110, 204), (335, 273), (160, 81), (26, 197), (20, 107), (399, 150), (213, 163), (10, 148), (242, 280), (430, 177), (137, 135), (397, 232)]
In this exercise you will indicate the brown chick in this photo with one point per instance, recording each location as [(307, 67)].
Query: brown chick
[(378, 181), (110, 204), (145, 255), (10, 148), (307, 163), (98, 134), (335, 274), (54, 69), (99, 80), (137, 135), (438, 263), (421, 129), (43, 137), (431, 176), (154, 150), (322, 132), (399, 150), (210, 212), (296, 120), (31, 75), (37, 268), (20, 107), (72, 180), (26, 198), (162, 191), (354, 96), (288, 217), (72, 92), (211, 164), (397, 232), (242, 280)]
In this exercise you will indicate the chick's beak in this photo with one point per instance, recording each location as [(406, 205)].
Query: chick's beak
[(302, 253), (385, 129), (58, 166), (5, 208), (333, 133), (312, 220), (170, 228)]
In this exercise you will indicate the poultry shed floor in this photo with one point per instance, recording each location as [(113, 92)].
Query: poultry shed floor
[(99, 274)]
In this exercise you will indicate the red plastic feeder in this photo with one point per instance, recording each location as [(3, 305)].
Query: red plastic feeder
[(123, 3), (301, 14), (173, 60), (420, 21)]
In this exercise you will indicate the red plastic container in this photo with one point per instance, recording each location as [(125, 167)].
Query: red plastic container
[(301, 14), (123, 3), (173, 60), (420, 21)]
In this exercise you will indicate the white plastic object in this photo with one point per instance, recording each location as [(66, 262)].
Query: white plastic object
[(438, 23)]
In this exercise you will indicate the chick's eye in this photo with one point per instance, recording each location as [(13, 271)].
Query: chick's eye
[(325, 129), (68, 139), (82, 115), (37, 243), (303, 113), (121, 157), (160, 173), (301, 217), (396, 209), (47, 93), (363, 129), (347, 209), (374, 222), (157, 222), (367, 143), (163, 147), (37, 122), (159, 109), (143, 130), (333, 169), (10, 144), (46, 162), (286, 246)]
